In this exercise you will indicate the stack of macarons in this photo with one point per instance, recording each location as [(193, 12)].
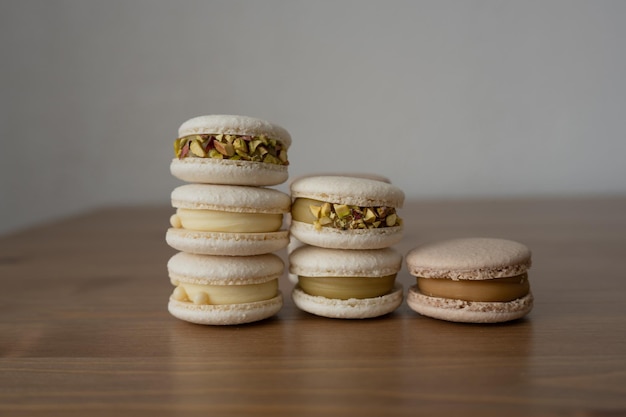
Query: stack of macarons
[(228, 222), (346, 267)]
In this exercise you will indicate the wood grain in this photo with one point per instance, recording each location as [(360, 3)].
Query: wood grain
[(84, 328)]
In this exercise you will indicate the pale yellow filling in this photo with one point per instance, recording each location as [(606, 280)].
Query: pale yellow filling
[(225, 221), (490, 290), (301, 210), (343, 288), (225, 294)]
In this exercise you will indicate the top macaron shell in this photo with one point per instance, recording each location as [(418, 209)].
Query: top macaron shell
[(228, 171), (469, 259), (224, 270), (362, 192), (237, 199), (313, 261), (234, 125)]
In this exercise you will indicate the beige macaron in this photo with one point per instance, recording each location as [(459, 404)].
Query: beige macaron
[(224, 290), (354, 284), (232, 220), (231, 149), (346, 212), (472, 280)]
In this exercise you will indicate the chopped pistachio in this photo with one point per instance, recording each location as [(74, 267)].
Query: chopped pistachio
[(370, 216), (325, 210), (240, 146), (271, 159), (213, 153), (342, 210), (231, 146), (325, 220), (225, 149), (315, 210), (253, 145), (349, 217), (197, 149)]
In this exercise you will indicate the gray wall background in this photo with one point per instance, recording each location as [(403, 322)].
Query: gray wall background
[(449, 99)]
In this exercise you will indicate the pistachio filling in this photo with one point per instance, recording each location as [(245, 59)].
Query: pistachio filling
[(343, 288), (489, 290), (233, 147), (225, 294), (225, 221), (343, 216)]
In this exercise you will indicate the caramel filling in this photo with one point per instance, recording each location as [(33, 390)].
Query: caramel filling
[(225, 294), (343, 288), (343, 216), (490, 290), (224, 221)]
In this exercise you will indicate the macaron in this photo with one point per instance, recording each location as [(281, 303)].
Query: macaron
[(354, 284), (231, 149), (346, 212), (213, 219), (471, 280), (223, 290)]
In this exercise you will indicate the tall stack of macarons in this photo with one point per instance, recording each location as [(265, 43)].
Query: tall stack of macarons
[(228, 222), (346, 267)]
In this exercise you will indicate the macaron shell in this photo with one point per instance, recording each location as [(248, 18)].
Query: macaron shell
[(328, 237), (228, 244), (468, 311), (196, 269), (361, 192), (469, 259), (225, 314), (348, 309), (314, 261), (234, 125), (229, 172), (236, 199)]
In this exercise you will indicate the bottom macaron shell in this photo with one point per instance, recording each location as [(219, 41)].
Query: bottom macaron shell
[(468, 311), (327, 237), (225, 314), (226, 171), (217, 243), (348, 309)]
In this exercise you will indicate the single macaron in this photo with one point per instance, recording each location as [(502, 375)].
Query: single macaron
[(353, 284), (472, 280), (233, 220), (223, 289), (229, 149), (346, 212)]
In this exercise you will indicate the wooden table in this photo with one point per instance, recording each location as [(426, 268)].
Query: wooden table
[(84, 328)]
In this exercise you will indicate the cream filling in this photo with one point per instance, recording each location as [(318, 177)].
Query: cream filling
[(489, 290), (343, 288), (225, 294), (225, 221), (301, 211)]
